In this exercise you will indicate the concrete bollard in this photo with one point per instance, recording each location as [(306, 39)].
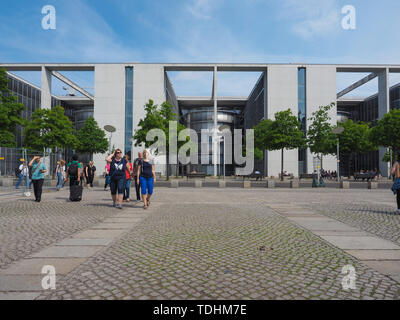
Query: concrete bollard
[(174, 184), (294, 183), (344, 185), (270, 184), (198, 183), (246, 184), (372, 185), (7, 182), (221, 184)]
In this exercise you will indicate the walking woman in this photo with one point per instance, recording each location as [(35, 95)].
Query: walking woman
[(117, 177), (38, 171), (128, 170), (106, 176), (60, 172), (146, 177), (395, 172), (90, 170)]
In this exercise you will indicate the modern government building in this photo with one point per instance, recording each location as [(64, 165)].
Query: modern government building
[(122, 89)]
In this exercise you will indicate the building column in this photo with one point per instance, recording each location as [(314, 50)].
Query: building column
[(46, 89), (215, 145), (383, 108), (265, 117)]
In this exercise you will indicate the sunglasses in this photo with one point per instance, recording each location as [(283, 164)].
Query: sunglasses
[(118, 152)]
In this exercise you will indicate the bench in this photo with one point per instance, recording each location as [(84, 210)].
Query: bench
[(253, 175), (363, 176), (307, 175), (196, 175)]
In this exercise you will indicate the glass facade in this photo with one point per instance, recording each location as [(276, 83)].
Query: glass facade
[(302, 116), (203, 118), (128, 108), (366, 111)]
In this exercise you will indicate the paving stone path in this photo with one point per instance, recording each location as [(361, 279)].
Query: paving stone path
[(203, 244)]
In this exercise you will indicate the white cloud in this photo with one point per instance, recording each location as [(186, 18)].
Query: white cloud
[(311, 18), (201, 9)]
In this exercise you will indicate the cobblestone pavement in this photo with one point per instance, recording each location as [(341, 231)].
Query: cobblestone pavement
[(205, 244), (27, 226)]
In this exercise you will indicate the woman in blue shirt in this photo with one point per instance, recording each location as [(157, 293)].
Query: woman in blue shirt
[(146, 177), (117, 175), (38, 171)]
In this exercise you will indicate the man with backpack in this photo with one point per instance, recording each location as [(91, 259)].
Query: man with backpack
[(21, 172), (74, 170)]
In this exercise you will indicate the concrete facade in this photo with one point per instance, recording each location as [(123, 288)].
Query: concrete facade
[(149, 82)]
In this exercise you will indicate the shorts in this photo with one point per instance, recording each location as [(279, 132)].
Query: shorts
[(146, 185), (117, 184)]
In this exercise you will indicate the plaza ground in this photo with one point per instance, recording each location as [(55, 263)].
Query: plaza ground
[(204, 243)]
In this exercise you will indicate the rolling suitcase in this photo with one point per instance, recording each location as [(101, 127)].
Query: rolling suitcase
[(75, 193)]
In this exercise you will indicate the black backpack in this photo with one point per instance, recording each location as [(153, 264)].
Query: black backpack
[(17, 171), (73, 170)]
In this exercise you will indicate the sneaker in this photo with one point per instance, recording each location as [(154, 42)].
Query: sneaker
[(398, 211), (119, 206), (114, 204)]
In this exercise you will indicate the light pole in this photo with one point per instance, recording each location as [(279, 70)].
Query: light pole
[(110, 129), (221, 129), (338, 131)]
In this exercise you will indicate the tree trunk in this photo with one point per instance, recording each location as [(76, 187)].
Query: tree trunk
[(322, 167), (167, 156), (349, 166), (282, 164)]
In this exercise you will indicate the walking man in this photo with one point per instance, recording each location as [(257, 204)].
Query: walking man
[(23, 173)]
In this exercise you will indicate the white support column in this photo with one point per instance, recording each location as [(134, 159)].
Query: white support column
[(214, 149), (265, 117), (46, 89), (383, 108)]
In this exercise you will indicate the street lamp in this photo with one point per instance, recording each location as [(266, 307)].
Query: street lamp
[(110, 129), (337, 131), (221, 129)]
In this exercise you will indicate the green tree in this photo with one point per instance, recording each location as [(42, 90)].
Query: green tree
[(355, 139), (320, 138), (91, 138), (282, 133), (157, 117), (386, 133), (10, 113), (49, 128)]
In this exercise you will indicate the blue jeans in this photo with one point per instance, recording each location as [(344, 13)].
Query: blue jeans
[(127, 189), (146, 184), (20, 177), (60, 182)]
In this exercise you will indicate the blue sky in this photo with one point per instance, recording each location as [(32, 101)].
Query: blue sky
[(264, 31)]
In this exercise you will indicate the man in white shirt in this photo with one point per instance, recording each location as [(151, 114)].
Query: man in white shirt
[(24, 172)]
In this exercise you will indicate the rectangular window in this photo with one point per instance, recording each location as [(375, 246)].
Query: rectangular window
[(128, 108), (302, 116)]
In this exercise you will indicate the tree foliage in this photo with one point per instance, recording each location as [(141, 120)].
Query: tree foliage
[(91, 138), (157, 117), (49, 128), (10, 113), (386, 133), (320, 136), (282, 133), (355, 138)]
